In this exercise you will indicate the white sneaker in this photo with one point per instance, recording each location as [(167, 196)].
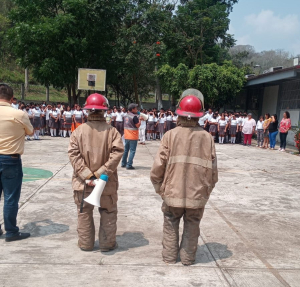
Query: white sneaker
[(279, 149), (283, 150)]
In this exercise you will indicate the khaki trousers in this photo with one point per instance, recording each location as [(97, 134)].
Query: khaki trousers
[(191, 232), (108, 221)]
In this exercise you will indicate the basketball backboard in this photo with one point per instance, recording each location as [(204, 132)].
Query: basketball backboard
[(91, 79)]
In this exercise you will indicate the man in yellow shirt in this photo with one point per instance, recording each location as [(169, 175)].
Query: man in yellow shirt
[(14, 125)]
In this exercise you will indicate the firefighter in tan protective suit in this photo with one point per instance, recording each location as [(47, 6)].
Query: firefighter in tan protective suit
[(184, 173), (96, 148)]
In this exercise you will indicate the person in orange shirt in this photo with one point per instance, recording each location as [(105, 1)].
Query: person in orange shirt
[(132, 123)]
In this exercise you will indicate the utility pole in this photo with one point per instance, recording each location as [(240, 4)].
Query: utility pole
[(26, 80), (158, 94)]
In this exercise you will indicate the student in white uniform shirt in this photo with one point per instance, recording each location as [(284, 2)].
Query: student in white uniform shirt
[(174, 121), (53, 121), (243, 119), (202, 121), (61, 123), (213, 126), (260, 132), (36, 122), (113, 117), (30, 115), (234, 127), (119, 125), (142, 131), (222, 128), (150, 125), (15, 104), (161, 124), (155, 132), (43, 120), (209, 116), (58, 110), (67, 116), (108, 117), (47, 111), (78, 117), (239, 133), (169, 120)]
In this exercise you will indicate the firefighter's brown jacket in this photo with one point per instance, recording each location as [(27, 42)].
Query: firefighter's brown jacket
[(95, 148), (185, 168)]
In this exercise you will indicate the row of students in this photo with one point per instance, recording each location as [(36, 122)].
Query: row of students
[(243, 126), (54, 120), (157, 124), (226, 125)]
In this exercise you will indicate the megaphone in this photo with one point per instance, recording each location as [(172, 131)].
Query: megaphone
[(94, 197), (144, 116)]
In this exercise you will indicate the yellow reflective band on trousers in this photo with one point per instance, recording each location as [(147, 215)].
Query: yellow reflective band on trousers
[(190, 159)]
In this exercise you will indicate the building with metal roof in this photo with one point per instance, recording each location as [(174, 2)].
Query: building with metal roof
[(274, 93)]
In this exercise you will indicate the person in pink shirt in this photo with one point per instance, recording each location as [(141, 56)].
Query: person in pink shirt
[(248, 129), (285, 126)]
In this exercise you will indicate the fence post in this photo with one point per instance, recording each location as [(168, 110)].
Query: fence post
[(26, 80), (47, 94), (22, 92)]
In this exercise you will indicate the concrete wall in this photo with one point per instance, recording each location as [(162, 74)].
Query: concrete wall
[(270, 99)]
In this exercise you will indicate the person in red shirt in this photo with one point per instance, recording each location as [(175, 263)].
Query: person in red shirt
[(285, 126)]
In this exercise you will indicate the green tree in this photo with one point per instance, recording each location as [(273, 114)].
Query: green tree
[(136, 48), (174, 80), (199, 33), (56, 37), (219, 84)]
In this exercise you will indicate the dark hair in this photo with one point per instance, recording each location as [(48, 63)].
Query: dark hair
[(261, 117), (6, 92), (287, 114), (267, 114), (275, 117)]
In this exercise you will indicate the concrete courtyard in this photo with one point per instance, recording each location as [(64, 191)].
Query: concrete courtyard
[(250, 232)]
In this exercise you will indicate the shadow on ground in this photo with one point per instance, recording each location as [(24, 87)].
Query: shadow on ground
[(127, 241), (142, 167), (211, 252), (44, 228)]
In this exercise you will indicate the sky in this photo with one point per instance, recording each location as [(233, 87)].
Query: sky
[(267, 24)]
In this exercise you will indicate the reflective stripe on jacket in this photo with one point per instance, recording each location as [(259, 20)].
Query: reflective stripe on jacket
[(131, 132), (185, 168), (95, 148)]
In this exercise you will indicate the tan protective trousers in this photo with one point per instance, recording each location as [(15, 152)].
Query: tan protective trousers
[(191, 232), (108, 221)]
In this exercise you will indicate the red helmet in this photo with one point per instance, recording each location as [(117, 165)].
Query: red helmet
[(96, 102), (190, 106)]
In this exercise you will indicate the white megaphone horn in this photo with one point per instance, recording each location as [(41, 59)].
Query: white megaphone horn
[(94, 197), (144, 116)]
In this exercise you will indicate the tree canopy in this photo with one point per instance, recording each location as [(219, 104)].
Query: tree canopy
[(219, 84), (131, 39)]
